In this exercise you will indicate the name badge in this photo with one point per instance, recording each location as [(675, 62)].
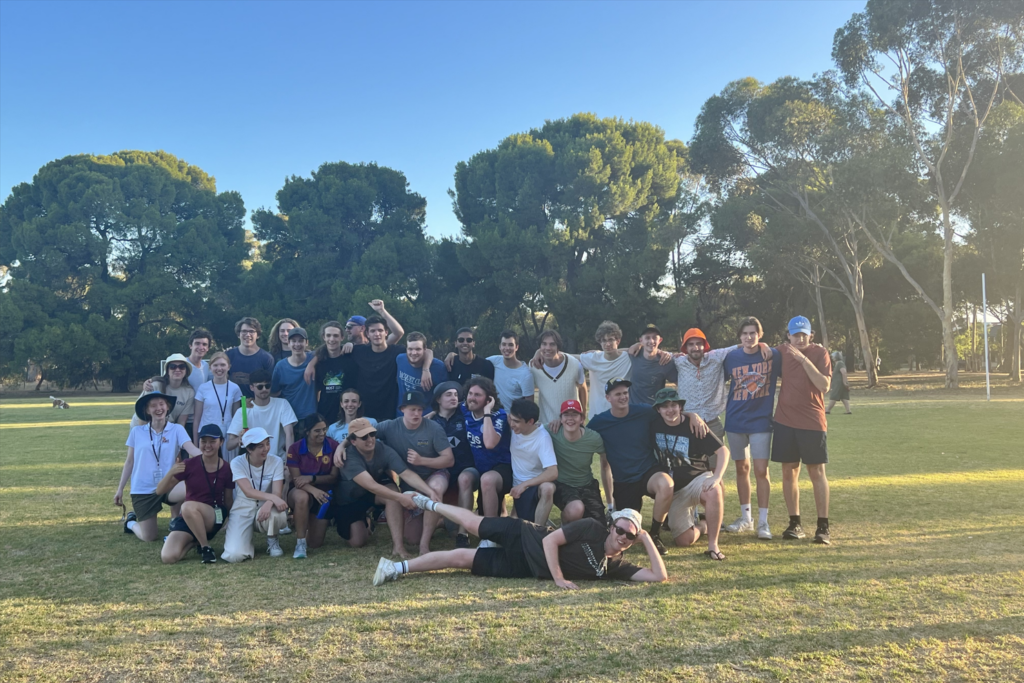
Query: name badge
[(158, 474), (218, 515)]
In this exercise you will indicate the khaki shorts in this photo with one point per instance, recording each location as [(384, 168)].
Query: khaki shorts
[(148, 505), (682, 514)]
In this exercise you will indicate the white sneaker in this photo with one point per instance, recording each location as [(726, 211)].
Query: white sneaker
[(274, 547), (763, 532), (385, 572), (487, 544), (422, 502), (300, 549), (740, 525), (285, 530)]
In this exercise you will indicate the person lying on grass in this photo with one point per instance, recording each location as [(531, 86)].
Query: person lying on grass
[(153, 448), (580, 550), (208, 493), (365, 485)]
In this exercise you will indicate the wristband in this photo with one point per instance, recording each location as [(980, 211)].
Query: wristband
[(314, 480), (490, 415)]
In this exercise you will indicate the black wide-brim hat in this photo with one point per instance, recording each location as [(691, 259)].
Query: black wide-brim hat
[(140, 405)]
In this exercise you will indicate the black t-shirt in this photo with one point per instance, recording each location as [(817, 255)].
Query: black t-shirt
[(582, 557), (377, 380), (455, 430), (333, 376), (679, 449), (462, 373)]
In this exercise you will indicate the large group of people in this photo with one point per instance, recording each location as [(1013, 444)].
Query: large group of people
[(366, 430)]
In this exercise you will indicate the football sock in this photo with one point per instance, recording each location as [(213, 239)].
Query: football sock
[(655, 528), (822, 522), (131, 525), (402, 567), (762, 515), (745, 511), (794, 519)]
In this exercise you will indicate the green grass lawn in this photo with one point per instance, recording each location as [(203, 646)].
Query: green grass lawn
[(924, 580)]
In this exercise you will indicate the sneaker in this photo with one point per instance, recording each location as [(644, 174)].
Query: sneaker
[(422, 502), (763, 532), (739, 525), (662, 550), (821, 536), (461, 540), (300, 549), (487, 544), (385, 571), (794, 532), (285, 531), (209, 557), (131, 517), (274, 547)]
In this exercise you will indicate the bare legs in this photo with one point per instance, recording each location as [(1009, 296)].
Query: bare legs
[(545, 501), (660, 488), (791, 487), (439, 484), (764, 483), (743, 481), (573, 511), (490, 487), (468, 480)]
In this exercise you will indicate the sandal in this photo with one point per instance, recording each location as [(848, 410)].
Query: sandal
[(711, 555)]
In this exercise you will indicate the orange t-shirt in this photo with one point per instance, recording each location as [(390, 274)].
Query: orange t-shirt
[(801, 404)]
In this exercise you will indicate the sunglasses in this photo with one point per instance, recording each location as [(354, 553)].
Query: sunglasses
[(176, 366), (465, 340), (371, 435), (622, 532), (351, 325), (261, 386)]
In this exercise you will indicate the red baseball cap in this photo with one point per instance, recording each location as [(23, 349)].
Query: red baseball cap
[(694, 333), (571, 405)]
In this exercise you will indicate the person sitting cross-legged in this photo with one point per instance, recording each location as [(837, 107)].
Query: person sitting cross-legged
[(208, 492), (581, 550), (365, 484)]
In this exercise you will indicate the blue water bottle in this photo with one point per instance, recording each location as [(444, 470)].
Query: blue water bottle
[(322, 514)]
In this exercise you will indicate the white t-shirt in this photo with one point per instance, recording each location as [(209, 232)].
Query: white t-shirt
[(511, 383), (531, 455), (261, 478), (199, 376), (154, 457), (340, 432), (601, 370), (271, 417)]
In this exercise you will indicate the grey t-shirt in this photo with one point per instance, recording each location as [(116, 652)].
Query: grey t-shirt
[(385, 459), (511, 384), (428, 440), (648, 377)]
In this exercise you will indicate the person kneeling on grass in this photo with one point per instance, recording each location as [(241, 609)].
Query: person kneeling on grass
[(688, 457), (366, 467), (158, 444), (313, 475), (580, 550), (208, 488), (259, 479)]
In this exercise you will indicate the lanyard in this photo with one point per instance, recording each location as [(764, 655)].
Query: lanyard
[(206, 476), (152, 444), (252, 479), (223, 406)]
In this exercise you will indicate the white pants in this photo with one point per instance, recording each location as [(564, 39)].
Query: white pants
[(241, 523)]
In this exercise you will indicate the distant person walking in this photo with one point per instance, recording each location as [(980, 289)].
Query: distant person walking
[(839, 391)]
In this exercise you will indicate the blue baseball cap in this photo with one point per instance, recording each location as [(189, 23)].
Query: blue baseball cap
[(358, 320), (800, 324)]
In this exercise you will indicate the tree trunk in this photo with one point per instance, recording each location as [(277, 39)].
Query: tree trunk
[(1016, 317), (948, 340), (821, 308), (865, 344)]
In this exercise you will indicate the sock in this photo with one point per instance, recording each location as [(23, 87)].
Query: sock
[(762, 515), (822, 522), (794, 519), (655, 528), (131, 525), (401, 567), (432, 506), (745, 511)]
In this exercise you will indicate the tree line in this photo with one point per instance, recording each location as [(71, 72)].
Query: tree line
[(870, 198)]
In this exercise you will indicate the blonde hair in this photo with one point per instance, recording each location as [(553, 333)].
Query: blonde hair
[(217, 356)]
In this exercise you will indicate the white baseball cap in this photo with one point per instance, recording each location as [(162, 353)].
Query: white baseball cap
[(632, 515), (254, 435)]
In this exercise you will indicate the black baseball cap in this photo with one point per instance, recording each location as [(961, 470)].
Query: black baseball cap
[(413, 398), (616, 382), (651, 327)]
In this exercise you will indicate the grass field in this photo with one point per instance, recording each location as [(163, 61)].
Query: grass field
[(924, 580)]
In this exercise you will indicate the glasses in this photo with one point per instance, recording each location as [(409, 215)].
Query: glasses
[(622, 532), (176, 366), (261, 386), (465, 340), (247, 333), (371, 435)]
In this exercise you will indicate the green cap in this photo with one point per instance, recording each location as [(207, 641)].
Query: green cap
[(667, 395)]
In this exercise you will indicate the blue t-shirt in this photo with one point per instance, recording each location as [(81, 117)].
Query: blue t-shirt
[(752, 381), (627, 441), (242, 366), (409, 378), (288, 380), (455, 430), (485, 458)]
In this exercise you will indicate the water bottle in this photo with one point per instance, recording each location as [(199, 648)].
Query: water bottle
[(322, 514)]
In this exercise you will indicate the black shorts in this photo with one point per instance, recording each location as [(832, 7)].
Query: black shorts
[(508, 561), (179, 524), (589, 495), (505, 470), (354, 512), (808, 446), (632, 495)]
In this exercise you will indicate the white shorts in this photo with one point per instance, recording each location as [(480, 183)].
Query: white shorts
[(682, 515), (755, 446), (241, 523)]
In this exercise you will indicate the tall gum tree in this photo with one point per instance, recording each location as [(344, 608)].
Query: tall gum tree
[(927, 63)]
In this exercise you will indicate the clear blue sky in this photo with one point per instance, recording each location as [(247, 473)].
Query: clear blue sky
[(253, 92)]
